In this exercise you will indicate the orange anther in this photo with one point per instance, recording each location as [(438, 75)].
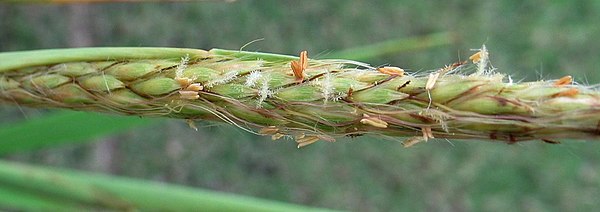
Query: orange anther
[(563, 81), (390, 70), (270, 130), (299, 66), (475, 57), (568, 93)]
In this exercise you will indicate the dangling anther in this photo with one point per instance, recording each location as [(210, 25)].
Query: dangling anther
[(194, 87), (191, 124), (191, 95), (270, 130), (305, 141), (567, 93), (411, 141), (349, 93), (373, 121), (451, 67), (566, 80), (390, 70), (427, 134), (299, 66), (475, 57), (431, 80), (276, 136)]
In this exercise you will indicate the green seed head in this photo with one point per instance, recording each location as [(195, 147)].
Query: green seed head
[(260, 92)]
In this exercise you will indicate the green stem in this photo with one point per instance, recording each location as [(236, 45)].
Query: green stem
[(42, 189)]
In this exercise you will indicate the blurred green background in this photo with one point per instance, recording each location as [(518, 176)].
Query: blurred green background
[(530, 40)]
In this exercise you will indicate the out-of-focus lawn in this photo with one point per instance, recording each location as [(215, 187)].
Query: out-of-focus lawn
[(531, 40)]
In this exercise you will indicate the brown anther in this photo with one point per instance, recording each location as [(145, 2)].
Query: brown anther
[(567, 93), (390, 70), (189, 95), (191, 124), (307, 141), (326, 138), (299, 66), (373, 121), (427, 134), (475, 57), (431, 80), (270, 130), (194, 87), (457, 64), (452, 66), (349, 94), (276, 136), (411, 141), (184, 82), (563, 81)]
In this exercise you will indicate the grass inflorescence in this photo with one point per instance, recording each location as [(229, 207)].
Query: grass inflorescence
[(301, 98)]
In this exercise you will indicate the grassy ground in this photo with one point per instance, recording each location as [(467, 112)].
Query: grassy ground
[(528, 39)]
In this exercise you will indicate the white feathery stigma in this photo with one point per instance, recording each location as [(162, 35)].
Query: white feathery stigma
[(483, 61), (182, 66), (327, 88), (227, 77), (264, 92), (252, 78)]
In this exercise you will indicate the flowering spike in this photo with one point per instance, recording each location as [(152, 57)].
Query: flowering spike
[(255, 92)]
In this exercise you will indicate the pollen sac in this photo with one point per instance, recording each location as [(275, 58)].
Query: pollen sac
[(194, 87), (270, 130), (475, 57), (390, 70), (373, 121), (184, 82), (567, 93), (412, 141), (277, 136), (189, 95), (427, 134), (566, 80), (299, 66), (431, 81), (307, 140)]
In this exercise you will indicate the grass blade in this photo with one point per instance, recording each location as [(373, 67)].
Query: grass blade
[(393, 47), (118, 193), (61, 128)]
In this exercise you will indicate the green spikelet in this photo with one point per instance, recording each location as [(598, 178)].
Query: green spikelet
[(260, 93)]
